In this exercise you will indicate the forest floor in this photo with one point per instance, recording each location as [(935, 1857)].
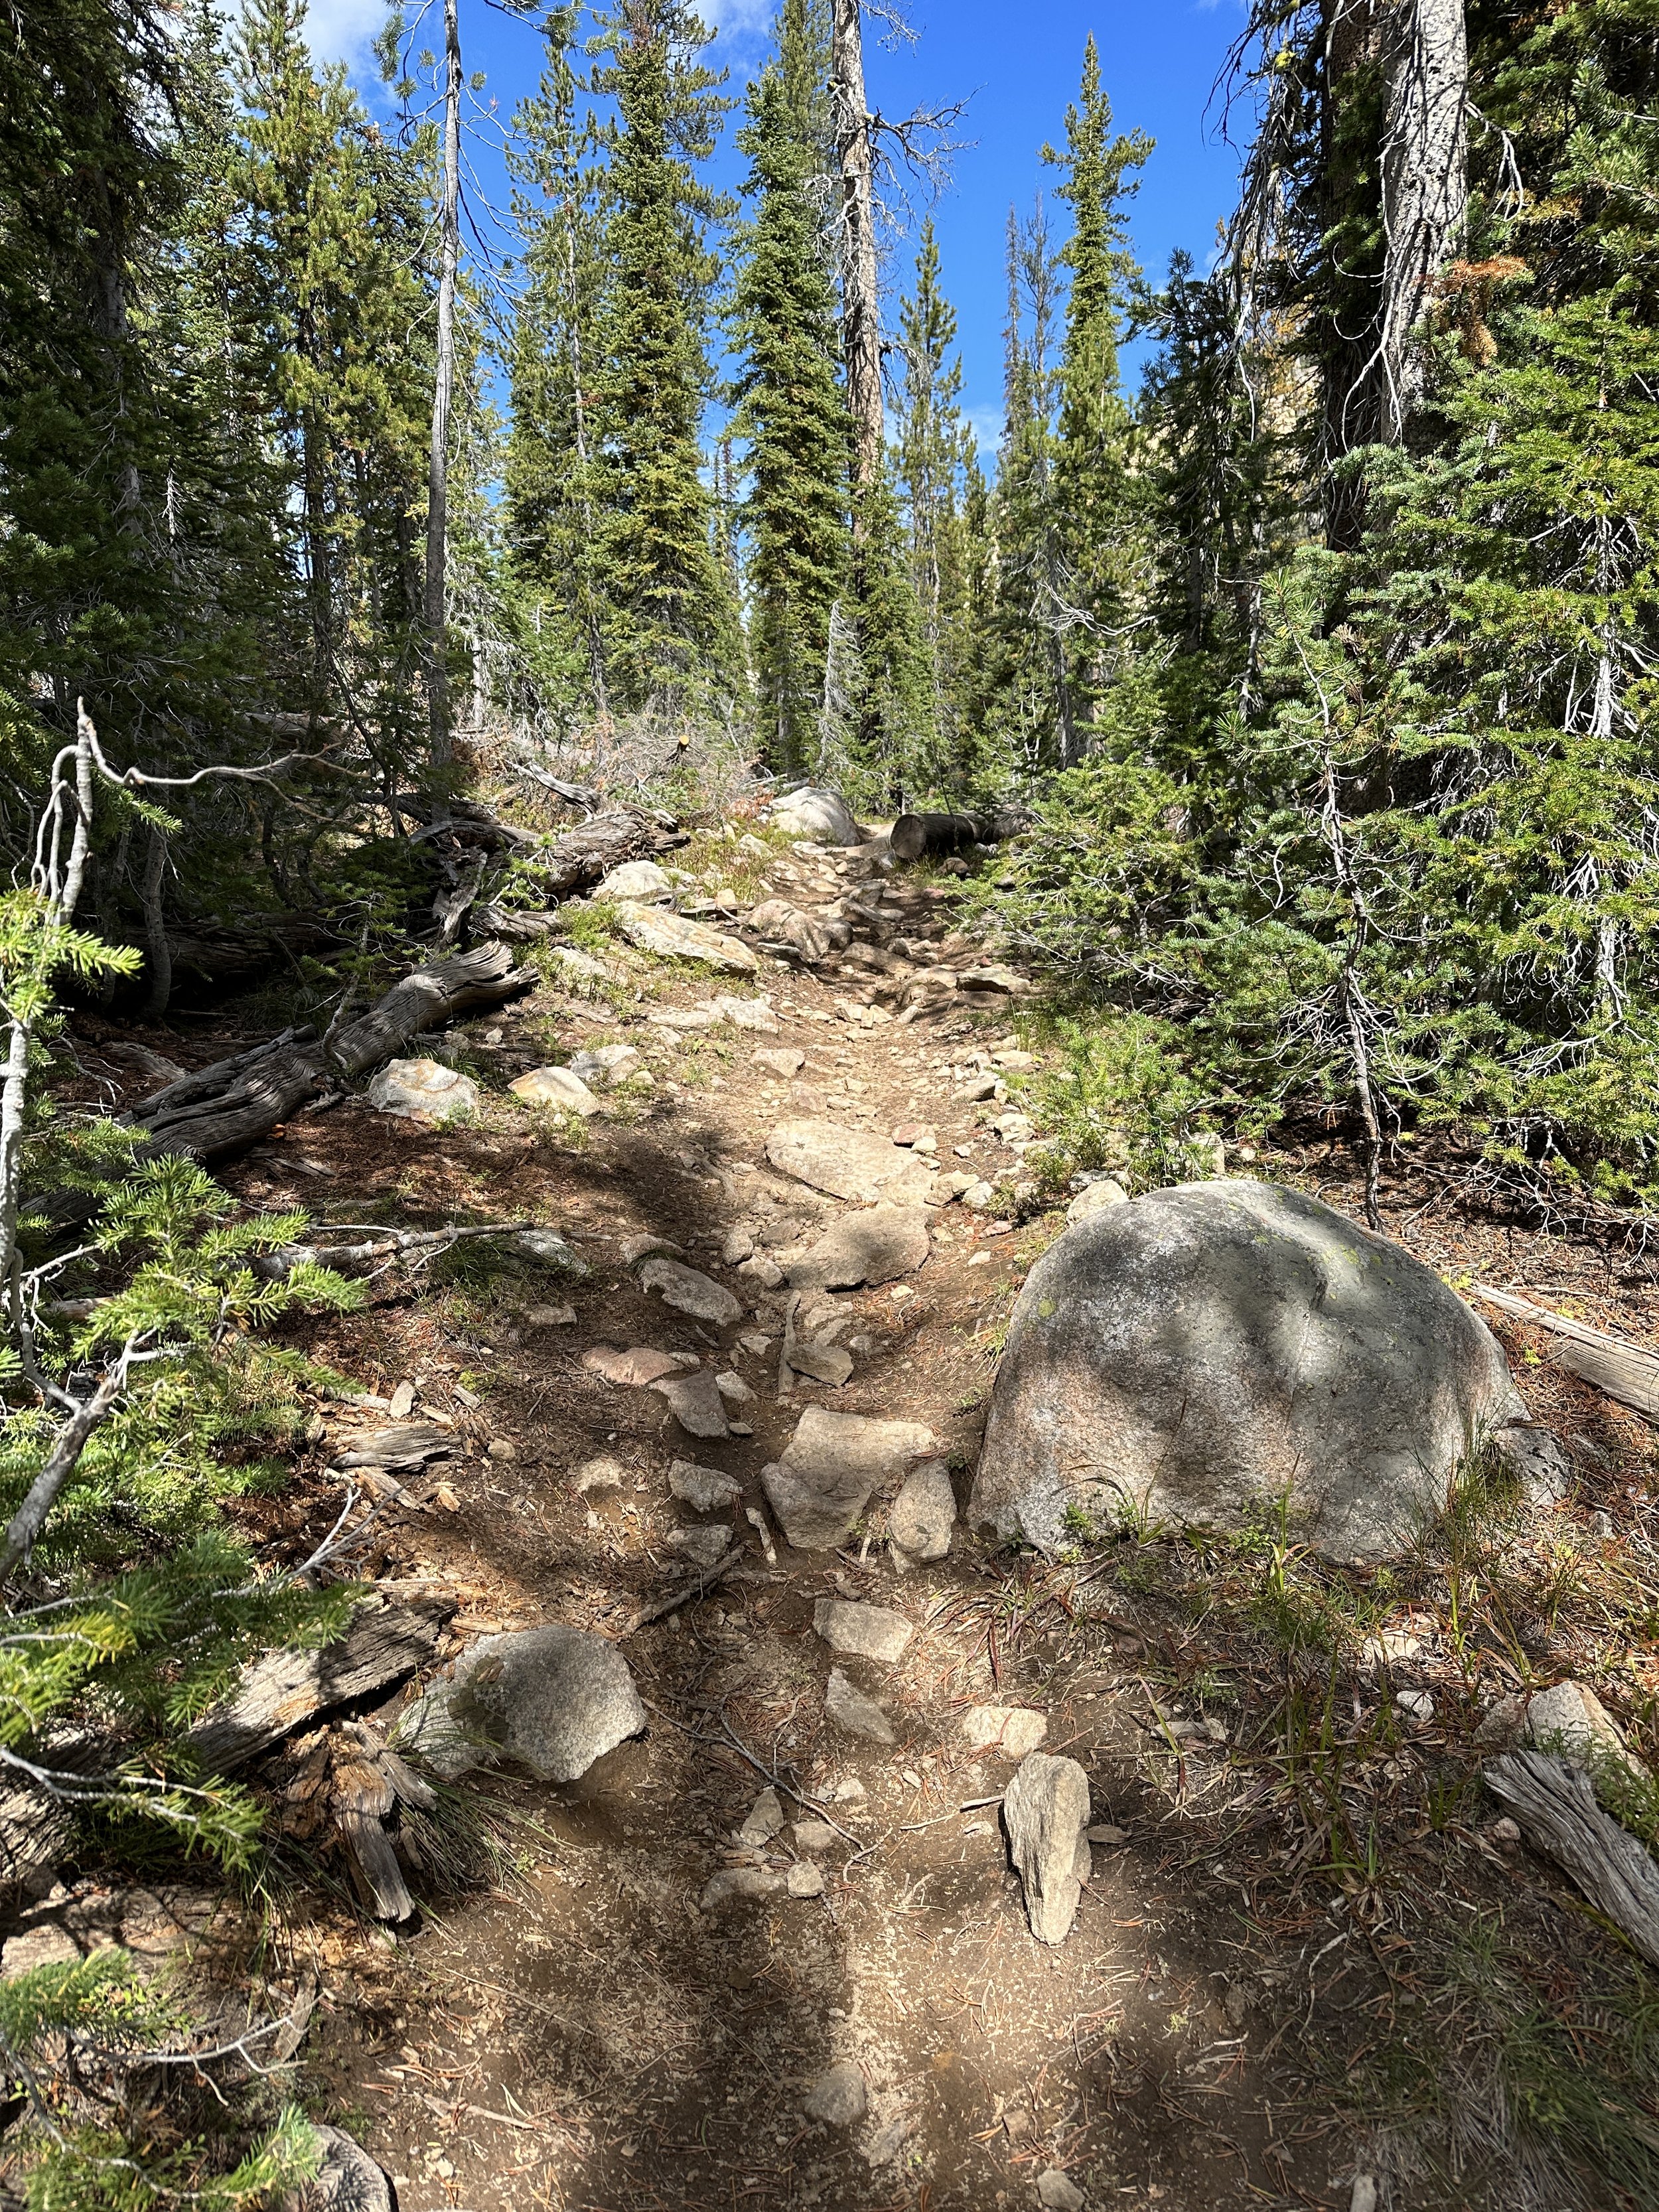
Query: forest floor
[(1305, 1954)]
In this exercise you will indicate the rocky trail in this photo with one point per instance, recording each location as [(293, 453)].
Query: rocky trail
[(842, 1858)]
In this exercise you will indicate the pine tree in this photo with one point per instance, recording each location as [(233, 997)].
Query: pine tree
[(929, 456), (790, 412), (677, 641)]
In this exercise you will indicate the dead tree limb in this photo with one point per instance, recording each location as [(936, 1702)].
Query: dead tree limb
[(1627, 1371), (1555, 1805)]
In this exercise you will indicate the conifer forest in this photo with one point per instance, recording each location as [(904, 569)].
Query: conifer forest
[(830, 1318)]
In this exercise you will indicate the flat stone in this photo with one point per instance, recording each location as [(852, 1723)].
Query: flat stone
[(689, 1291), (732, 1387), (608, 1066), (705, 1546), (697, 1402), (739, 1885), (548, 1250), (830, 1466), (1106, 1831), (602, 1474), (804, 1880), (781, 1061), (1014, 1730), (1096, 1197), (551, 1699), (672, 937), (705, 1489), (1057, 2192), (813, 1836), (634, 1369), (48, 1945), (862, 1632), (920, 1518), (874, 1246), (754, 1014), (1024, 1731), (558, 1087), (1045, 1810), (551, 1317), (823, 1362), (852, 1163), (422, 1090), (851, 1710), (637, 879), (838, 2098), (980, 1197), (765, 1818)]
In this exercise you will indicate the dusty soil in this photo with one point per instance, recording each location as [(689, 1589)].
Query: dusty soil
[(579, 2033)]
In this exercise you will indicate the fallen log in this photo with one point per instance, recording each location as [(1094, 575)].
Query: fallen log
[(270, 1085), (281, 1691), (577, 858), (917, 836), (1555, 1807), (482, 977), (1625, 1371)]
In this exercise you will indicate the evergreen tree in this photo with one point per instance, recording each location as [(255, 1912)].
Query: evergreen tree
[(677, 639), (930, 457), (790, 412)]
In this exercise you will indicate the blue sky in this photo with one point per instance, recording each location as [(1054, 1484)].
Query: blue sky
[(1015, 61)]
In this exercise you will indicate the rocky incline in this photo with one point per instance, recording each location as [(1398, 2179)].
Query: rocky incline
[(846, 1856)]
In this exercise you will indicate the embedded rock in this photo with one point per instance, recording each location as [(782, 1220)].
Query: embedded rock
[(776, 923), (817, 816), (783, 1060), (637, 879), (609, 1065), (829, 1468), (638, 1366), (1095, 1198), (558, 1087), (548, 1250), (1201, 1353), (848, 1163), (738, 1885), (864, 1632), (672, 937), (422, 1090), (1045, 1810), (696, 1401), (551, 1699), (874, 1246), (922, 1516), (689, 1291), (838, 2098), (704, 1489), (851, 1710)]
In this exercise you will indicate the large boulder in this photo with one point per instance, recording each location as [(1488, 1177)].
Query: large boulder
[(1203, 1352), (551, 1699), (818, 816)]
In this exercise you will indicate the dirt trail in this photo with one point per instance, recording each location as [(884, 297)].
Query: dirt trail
[(584, 2035)]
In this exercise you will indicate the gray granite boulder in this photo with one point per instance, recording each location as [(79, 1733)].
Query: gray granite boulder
[(551, 1699), (1202, 1352)]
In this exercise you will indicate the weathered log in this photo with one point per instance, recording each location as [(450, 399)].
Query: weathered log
[(250, 1107), (281, 1691), (578, 857), (482, 977), (1555, 1806), (406, 1444), (1627, 1371), (362, 1797), (213, 1081), (915, 837)]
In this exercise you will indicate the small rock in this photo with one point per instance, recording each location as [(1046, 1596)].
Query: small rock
[(765, 1818), (754, 1014), (851, 1710), (598, 1474), (1417, 1704), (1024, 1731), (783, 1060), (732, 1387), (838, 2098), (980, 1197), (1570, 1722), (829, 1468), (804, 1880), (689, 1291), (1505, 1832), (609, 1065), (849, 1791), (1095, 1198), (547, 1248), (873, 1246), (959, 1182), (924, 1513), (551, 1317), (1045, 1810), (347, 2180), (755, 1343), (1390, 1645), (401, 1404), (1058, 2193), (422, 1090), (705, 1489), (733, 1885), (635, 1368), (1363, 2196), (863, 1631), (557, 1087), (637, 879), (739, 1244), (671, 937), (502, 1448), (706, 1545), (697, 1403), (821, 1362), (1104, 1832), (552, 1700), (814, 1836), (761, 1270)]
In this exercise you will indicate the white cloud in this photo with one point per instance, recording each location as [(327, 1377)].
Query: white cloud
[(344, 30), (736, 18), (986, 423)]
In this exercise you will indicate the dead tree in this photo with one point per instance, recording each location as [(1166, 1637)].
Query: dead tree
[(437, 504), (1425, 188), (860, 303)]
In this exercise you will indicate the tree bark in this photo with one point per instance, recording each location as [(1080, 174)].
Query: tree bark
[(158, 953), (913, 836), (1425, 189), (437, 504), (860, 307)]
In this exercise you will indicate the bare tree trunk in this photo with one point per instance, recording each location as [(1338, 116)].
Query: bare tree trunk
[(1425, 184), (860, 308), (158, 958), (437, 502)]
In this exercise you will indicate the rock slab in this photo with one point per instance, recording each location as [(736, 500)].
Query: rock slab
[(876, 1246), (551, 1699), (705, 1489), (1202, 1352), (422, 1090), (557, 1087), (672, 937), (689, 1291), (696, 1401), (851, 1710), (848, 1163), (829, 1468), (1045, 1810), (922, 1516), (865, 1632)]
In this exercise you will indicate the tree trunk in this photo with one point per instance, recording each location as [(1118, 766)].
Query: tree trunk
[(1425, 186), (158, 953), (437, 502), (860, 308)]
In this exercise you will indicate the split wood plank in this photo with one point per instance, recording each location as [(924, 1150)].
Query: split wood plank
[(1625, 1371), (1555, 1807)]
